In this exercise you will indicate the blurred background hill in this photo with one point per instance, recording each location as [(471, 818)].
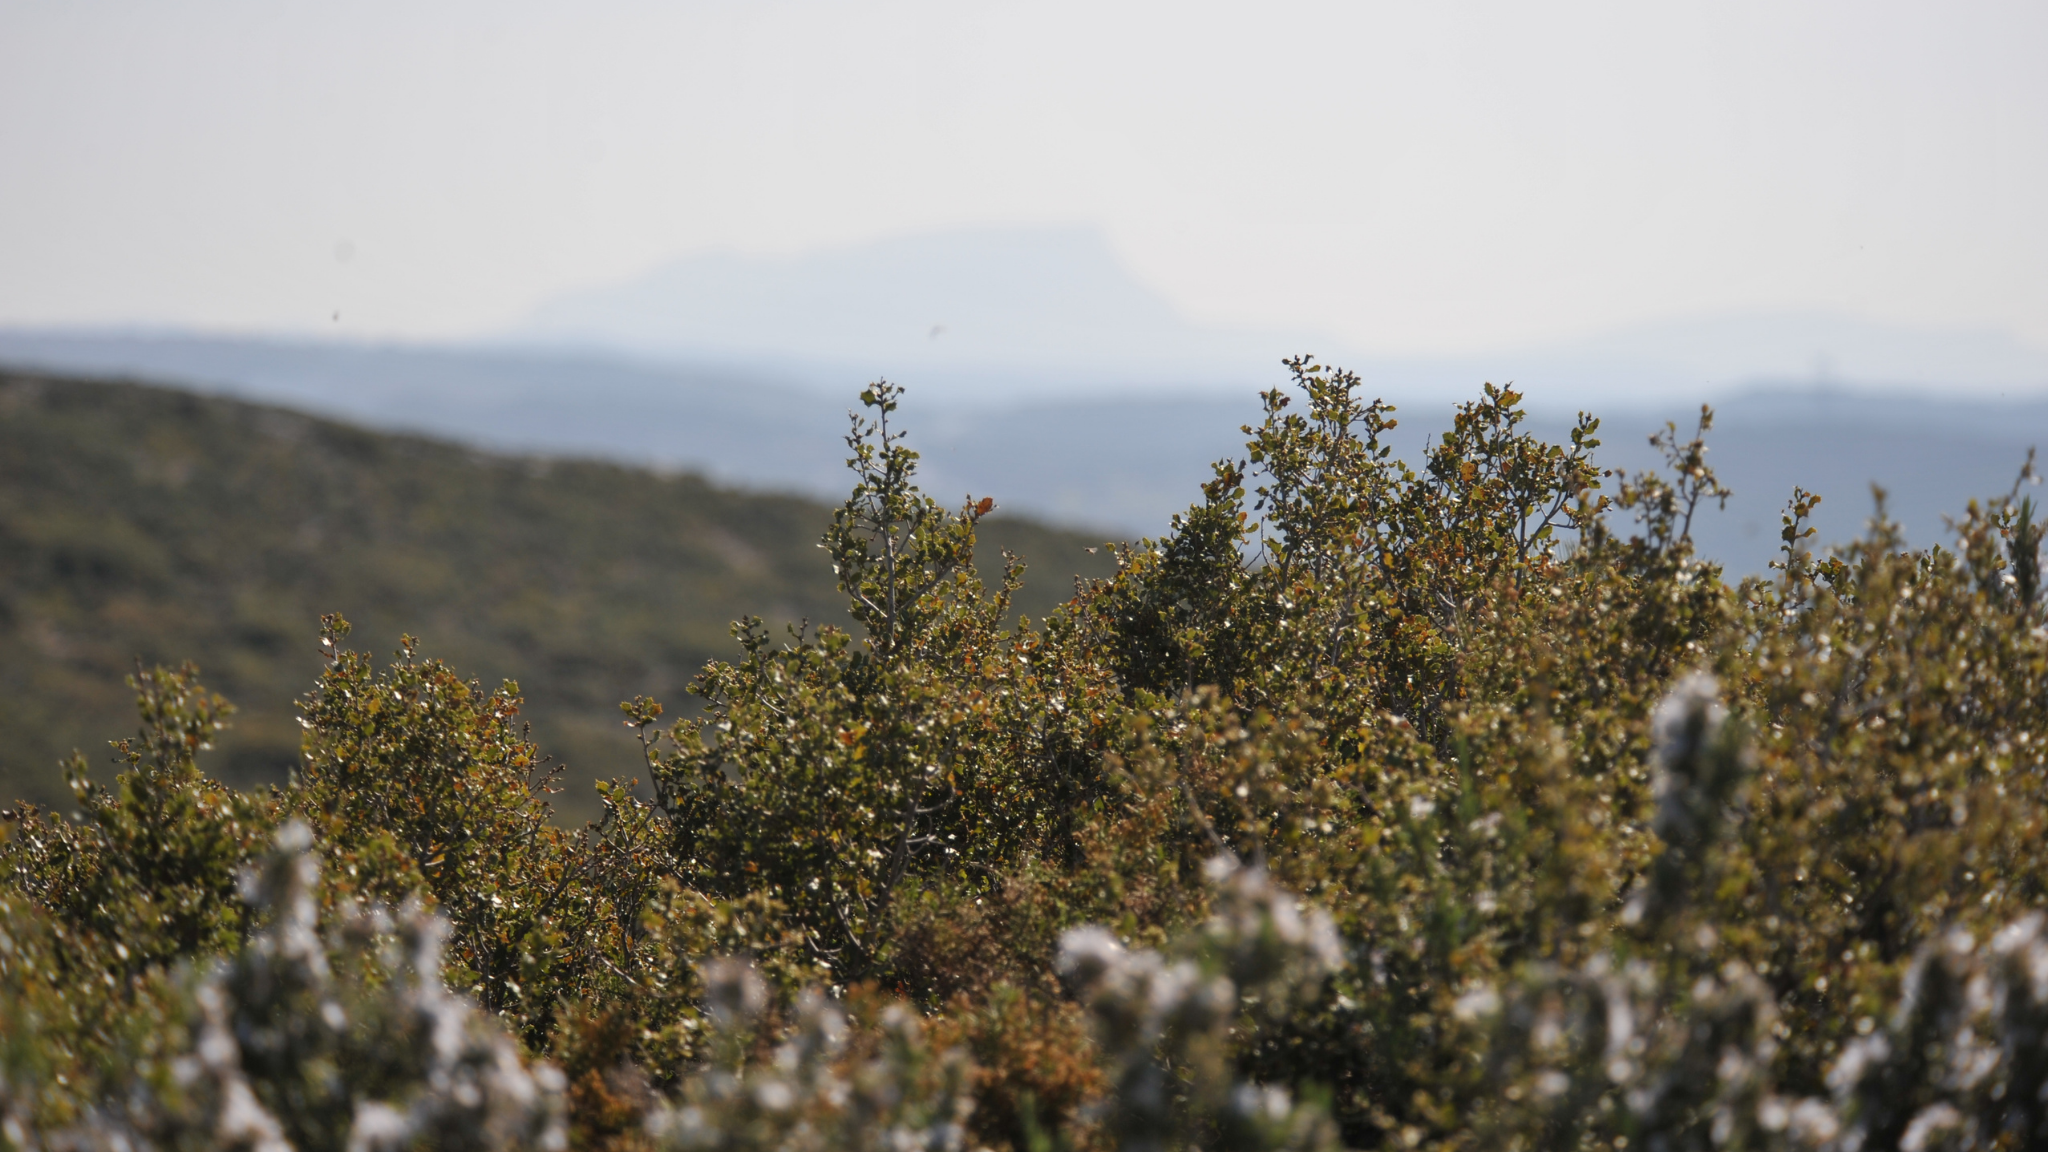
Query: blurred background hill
[(1119, 460), (140, 522)]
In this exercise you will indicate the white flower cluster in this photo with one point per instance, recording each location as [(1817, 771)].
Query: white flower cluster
[(285, 1056), (1584, 1054), (1154, 1013), (1701, 766), (812, 1096), (1964, 1062)]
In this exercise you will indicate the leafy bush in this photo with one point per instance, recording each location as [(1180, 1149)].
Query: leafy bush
[(1455, 805)]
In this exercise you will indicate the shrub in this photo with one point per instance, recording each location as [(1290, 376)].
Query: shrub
[(1454, 805)]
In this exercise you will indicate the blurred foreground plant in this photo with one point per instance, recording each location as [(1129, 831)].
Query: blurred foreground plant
[(344, 1039), (1170, 1022)]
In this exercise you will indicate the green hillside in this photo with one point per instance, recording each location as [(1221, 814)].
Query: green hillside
[(139, 522)]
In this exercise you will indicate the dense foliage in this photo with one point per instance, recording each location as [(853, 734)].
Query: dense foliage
[(1449, 804), (137, 520)]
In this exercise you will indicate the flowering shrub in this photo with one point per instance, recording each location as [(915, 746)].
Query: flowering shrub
[(1452, 805), (1165, 1021), (816, 1091), (1963, 1062), (283, 1051)]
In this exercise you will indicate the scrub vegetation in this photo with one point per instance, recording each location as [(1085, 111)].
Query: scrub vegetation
[(1453, 804), (139, 521)]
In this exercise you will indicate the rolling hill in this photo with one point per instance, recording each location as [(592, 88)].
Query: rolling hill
[(1117, 463)]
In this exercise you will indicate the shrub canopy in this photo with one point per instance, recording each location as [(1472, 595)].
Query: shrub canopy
[(1453, 804)]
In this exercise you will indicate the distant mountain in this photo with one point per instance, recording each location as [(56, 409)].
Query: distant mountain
[(1117, 464), (970, 315), (1003, 316), (142, 522)]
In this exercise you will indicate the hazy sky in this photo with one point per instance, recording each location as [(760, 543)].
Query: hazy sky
[(1414, 179)]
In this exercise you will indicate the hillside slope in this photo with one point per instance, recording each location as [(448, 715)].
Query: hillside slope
[(1119, 462), (144, 522)]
